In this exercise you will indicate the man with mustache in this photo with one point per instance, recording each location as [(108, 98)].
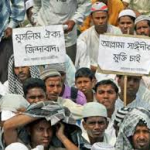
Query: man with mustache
[(99, 15), (134, 131), (95, 123), (18, 75), (53, 82), (142, 25)]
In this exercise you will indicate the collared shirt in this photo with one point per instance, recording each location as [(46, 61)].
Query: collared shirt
[(11, 14)]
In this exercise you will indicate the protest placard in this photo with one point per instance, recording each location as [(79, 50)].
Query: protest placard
[(124, 55), (39, 45)]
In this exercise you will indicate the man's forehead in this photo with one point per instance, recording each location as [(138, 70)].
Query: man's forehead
[(142, 127), (53, 79), (105, 87), (100, 13), (96, 118)]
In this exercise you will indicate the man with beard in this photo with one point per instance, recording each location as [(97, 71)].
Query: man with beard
[(134, 131), (142, 25), (99, 15), (53, 82), (95, 123)]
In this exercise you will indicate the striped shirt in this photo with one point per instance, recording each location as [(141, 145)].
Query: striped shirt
[(11, 14)]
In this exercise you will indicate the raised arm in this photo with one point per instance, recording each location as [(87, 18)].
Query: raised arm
[(11, 125)]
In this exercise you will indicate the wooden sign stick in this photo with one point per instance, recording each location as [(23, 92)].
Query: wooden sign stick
[(125, 90)]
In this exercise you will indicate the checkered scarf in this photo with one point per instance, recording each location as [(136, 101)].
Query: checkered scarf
[(128, 126), (51, 111), (15, 86), (55, 113)]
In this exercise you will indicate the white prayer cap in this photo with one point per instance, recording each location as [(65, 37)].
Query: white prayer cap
[(93, 109), (16, 146), (141, 18), (102, 146), (107, 79), (127, 12), (29, 4)]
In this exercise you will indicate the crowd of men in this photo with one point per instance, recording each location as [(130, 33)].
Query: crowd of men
[(71, 105)]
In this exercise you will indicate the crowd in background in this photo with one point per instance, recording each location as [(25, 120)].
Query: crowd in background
[(71, 105)]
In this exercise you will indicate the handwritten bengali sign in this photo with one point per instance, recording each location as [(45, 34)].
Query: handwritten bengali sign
[(39, 45), (124, 54)]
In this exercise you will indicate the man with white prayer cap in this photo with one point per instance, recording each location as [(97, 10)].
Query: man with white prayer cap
[(95, 123), (142, 25), (126, 20), (102, 146)]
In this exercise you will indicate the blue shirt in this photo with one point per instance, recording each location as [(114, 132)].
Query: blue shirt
[(11, 15)]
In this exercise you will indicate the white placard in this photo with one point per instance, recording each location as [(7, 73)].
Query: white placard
[(39, 45), (124, 54)]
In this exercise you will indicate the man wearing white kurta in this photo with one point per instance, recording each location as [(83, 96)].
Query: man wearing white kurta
[(56, 12), (99, 15)]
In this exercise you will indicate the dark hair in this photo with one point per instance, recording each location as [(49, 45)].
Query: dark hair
[(132, 18), (141, 123), (106, 82), (33, 83), (84, 72)]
